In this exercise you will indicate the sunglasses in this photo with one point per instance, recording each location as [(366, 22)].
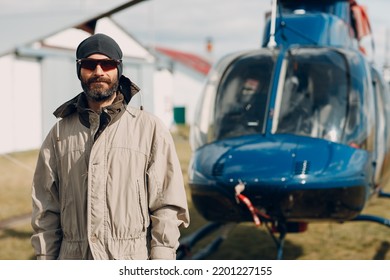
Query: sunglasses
[(105, 64)]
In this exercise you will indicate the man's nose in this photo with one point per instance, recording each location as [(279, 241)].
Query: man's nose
[(99, 70)]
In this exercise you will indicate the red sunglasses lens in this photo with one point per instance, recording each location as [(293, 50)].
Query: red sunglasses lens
[(105, 64)]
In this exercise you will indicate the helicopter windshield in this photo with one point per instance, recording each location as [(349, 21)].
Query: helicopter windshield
[(299, 6), (314, 99), (242, 97)]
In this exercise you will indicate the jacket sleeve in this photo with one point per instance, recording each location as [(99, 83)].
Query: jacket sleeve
[(167, 197), (45, 220)]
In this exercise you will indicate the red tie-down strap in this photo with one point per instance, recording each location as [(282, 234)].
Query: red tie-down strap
[(254, 211)]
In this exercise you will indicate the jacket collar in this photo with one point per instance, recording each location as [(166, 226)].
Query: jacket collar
[(126, 87)]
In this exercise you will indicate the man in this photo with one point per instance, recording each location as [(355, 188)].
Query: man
[(108, 183)]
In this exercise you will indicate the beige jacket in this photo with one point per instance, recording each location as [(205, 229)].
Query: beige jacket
[(120, 196)]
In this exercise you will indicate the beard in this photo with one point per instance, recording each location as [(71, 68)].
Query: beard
[(95, 88)]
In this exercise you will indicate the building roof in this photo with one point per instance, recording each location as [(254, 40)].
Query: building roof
[(26, 22), (193, 61), (71, 38)]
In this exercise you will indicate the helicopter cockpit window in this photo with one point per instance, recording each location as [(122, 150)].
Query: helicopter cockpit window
[(324, 6), (314, 99), (242, 97)]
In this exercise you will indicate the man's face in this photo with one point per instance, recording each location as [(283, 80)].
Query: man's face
[(100, 83)]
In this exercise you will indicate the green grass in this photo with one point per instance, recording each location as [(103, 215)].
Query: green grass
[(15, 183), (15, 200), (15, 243), (322, 241)]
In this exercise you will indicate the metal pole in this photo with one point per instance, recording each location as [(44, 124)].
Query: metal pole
[(272, 42)]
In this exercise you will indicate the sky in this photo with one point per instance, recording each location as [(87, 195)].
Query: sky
[(179, 24), (232, 24)]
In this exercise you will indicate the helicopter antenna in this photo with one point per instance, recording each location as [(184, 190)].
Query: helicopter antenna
[(272, 42), (387, 48)]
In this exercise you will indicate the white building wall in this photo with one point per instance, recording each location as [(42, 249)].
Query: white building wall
[(21, 97), (59, 84), (7, 99), (187, 90), (141, 73), (163, 96), (27, 90)]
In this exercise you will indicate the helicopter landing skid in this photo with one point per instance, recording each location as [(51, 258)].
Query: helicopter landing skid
[(383, 194), (372, 218), (188, 242), (281, 227)]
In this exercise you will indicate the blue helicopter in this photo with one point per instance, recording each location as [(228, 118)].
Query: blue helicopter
[(297, 131)]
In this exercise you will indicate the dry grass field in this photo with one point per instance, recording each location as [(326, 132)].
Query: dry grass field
[(322, 241)]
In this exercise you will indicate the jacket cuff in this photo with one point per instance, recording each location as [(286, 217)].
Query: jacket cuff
[(46, 257), (162, 253)]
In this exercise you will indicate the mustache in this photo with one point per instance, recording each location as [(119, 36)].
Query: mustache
[(98, 80)]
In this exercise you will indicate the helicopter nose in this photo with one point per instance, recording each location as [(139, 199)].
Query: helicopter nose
[(276, 160)]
